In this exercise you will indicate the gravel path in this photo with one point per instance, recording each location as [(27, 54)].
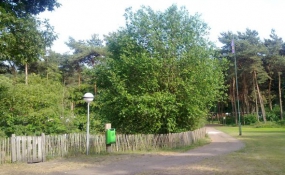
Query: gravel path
[(178, 163)]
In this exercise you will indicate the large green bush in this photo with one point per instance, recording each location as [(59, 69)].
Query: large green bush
[(250, 119), (273, 115), (33, 108), (162, 76)]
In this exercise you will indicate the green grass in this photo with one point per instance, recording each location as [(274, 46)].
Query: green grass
[(264, 152)]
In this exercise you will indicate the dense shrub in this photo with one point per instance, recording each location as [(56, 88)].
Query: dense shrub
[(2, 134), (266, 125), (273, 115), (250, 119), (281, 122)]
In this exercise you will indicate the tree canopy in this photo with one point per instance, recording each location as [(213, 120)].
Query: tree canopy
[(23, 40), (162, 76), (258, 65), (25, 7), (158, 74)]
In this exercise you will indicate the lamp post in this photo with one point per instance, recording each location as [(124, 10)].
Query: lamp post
[(88, 97)]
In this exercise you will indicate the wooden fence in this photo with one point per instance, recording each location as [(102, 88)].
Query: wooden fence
[(28, 148), (38, 148)]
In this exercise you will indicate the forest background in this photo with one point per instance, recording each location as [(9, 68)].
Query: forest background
[(159, 74)]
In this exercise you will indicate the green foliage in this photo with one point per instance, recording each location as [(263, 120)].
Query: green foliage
[(79, 110), (250, 119), (266, 125), (281, 123), (34, 108), (23, 40), (48, 67), (259, 71), (162, 76), (270, 124), (26, 7), (273, 115), (87, 53), (2, 134)]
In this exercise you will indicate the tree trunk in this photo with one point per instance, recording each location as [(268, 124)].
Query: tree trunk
[(47, 67), (269, 94), (280, 95), (232, 99), (72, 106), (95, 89), (47, 75), (260, 98), (26, 73), (13, 70), (245, 96), (256, 103), (79, 78)]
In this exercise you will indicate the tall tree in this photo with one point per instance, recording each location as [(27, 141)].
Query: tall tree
[(85, 53), (253, 49), (275, 65), (226, 50), (48, 66), (24, 38), (249, 54), (31, 43), (162, 73)]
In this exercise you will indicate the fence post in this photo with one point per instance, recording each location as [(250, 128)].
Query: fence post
[(108, 146), (13, 148), (43, 147)]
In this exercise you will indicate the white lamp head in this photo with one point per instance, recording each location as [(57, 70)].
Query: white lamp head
[(88, 97)]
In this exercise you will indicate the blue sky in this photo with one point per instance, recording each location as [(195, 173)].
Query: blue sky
[(82, 18)]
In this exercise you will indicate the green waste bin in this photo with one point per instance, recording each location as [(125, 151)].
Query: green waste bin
[(110, 136)]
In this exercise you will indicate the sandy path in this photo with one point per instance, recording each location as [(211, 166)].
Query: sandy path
[(177, 163)]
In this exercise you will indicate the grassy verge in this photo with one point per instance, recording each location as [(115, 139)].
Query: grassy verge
[(264, 152)]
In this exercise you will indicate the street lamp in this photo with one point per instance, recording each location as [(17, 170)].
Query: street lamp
[(88, 97)]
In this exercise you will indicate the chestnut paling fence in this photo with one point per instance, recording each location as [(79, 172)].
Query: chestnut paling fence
[(37, 148)]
